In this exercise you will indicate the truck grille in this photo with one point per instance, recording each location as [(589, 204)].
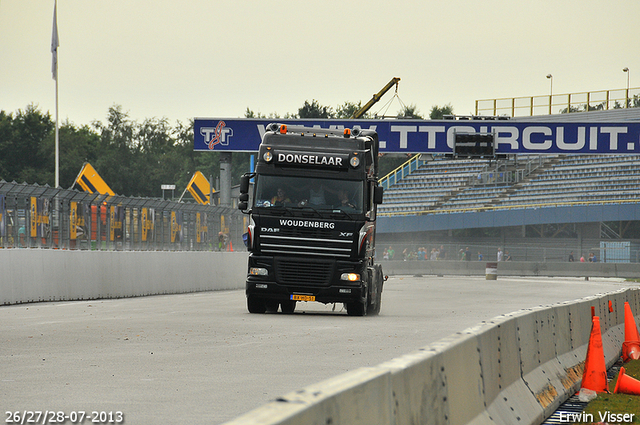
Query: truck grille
[(295, 272), (316, 244)]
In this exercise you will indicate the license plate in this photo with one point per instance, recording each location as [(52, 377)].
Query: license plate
[(303, 298)]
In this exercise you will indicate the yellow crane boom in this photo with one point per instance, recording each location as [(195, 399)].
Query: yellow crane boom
[(376, 97)]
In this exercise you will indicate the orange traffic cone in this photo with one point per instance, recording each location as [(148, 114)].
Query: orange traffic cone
[(627, 384), (594, 377), (631, 344)]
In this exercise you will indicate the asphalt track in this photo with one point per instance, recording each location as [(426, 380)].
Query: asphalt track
[(202, 358)]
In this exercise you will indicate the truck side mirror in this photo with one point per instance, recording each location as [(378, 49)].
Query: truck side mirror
[(243, 201), (244, 183), (377, 194)]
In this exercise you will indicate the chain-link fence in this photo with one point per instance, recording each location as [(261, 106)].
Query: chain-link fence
[(534, 251), (33, 216)]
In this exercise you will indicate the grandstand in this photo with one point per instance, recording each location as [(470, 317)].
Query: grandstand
[(439, 185), (449, 185), (540, 207)]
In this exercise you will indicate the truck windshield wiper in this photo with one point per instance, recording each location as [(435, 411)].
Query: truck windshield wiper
[(339, 211), (279, 210), (306, 208)]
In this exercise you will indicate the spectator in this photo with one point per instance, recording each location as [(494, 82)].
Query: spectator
[(499, 254), (467, 254), (222, 241), (442, 254), (571, 259), (507, 256), (434, 254), (391, 252), (385, 254), (582, 258), (479, 256)]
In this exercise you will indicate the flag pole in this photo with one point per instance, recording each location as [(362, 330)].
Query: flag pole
[(57, 140), (54, 70)]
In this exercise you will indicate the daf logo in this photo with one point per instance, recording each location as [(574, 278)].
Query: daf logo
[(346, 234), (269, 230)]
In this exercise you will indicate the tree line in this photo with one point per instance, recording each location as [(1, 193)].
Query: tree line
[(135, 158)]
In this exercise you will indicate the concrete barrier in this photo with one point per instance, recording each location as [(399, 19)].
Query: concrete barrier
[(511, 268), (517, 368), (30, 275)]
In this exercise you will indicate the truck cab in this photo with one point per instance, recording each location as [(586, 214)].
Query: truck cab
[(312, 212)]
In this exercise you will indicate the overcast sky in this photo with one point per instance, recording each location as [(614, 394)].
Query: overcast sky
[(208, 58)]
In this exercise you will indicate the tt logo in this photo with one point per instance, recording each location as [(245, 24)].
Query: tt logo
[(219, 135)]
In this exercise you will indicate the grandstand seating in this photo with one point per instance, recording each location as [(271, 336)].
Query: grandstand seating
[(447, 184)]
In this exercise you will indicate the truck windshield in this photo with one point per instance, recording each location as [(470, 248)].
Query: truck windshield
[(302, 192)]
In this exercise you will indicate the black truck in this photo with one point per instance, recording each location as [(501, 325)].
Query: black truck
[(311, 233)]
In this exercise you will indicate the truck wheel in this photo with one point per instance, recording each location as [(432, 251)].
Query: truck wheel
[(256, 305), (378, 281), (288, 307), (356, 308), (271, 306), (374, 309)]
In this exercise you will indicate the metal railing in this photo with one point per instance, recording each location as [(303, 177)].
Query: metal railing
[(33, 216), (478, 208), (560, 103), (402, 171)]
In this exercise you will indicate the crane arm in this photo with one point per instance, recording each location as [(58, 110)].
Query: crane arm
[(376, 97)]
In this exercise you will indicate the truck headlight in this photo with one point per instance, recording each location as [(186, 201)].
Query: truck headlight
[(258, 271), (354, 161), (268, 156), (351, 277)]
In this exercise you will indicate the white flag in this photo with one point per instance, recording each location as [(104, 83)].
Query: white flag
[(54, 43)]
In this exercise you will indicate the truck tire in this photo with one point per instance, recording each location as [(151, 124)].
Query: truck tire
[(356, 308), (256, 305), (288, 307), (271, 306), (378, 281)]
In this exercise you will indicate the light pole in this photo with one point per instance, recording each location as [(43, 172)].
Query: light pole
[(626, 69), (550, 77)]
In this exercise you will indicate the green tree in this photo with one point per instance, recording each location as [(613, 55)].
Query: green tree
[(250, 114), (438, 113), (409, 112), (77, 146), (315, 110), (22, 146), (117, 153), (347, 109)]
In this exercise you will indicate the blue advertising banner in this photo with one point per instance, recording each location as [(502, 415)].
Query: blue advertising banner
[(431, 136)]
